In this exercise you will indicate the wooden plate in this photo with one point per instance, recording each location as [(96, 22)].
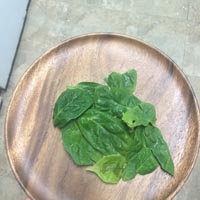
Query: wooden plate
[(34, 146)]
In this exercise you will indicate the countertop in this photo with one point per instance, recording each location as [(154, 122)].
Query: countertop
[(171, 25)]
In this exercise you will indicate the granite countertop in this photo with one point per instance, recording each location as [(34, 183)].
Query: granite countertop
[(171, 25)]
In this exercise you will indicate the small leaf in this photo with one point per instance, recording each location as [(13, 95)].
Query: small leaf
[(109, 168), (143, 114)]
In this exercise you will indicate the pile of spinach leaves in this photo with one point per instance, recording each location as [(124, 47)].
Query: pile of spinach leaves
[(106, 126)]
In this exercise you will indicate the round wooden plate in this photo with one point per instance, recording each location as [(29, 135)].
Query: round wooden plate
[(34, 146)]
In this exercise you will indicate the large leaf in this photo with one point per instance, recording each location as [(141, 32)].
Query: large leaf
[(154, 140), (142, 114), (77, 146), (109, 168), (107, 134), (70, 105)]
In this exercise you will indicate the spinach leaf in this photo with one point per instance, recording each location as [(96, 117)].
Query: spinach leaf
[(143, 114), (125, 82), (107, 134), (129, 101), (111, 127), (109, 168), (105, 101), (140, 159), (90, 87), (142, 162), (77, 146), (70, 105), (122, 86), (129, 171), (153, 139)]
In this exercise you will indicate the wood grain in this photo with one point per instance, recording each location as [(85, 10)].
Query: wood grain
[(34, 146)]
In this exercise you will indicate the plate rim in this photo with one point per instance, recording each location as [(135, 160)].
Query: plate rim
[(70, 39)]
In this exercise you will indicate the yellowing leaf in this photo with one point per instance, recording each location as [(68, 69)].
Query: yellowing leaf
[(109, 168), (140, 115)]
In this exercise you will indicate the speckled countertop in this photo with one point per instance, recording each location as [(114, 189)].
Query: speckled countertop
[(171, 25)]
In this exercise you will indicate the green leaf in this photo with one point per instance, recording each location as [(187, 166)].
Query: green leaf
[(125, 82), (105, 101), (77, 146), (109, 168), (129, 171), (90, 87), (142, 162), (122, 87), (143, 114), (140, 159), (111, 127), (107, 134), (129, 101), (154, 140), (70, 105)]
